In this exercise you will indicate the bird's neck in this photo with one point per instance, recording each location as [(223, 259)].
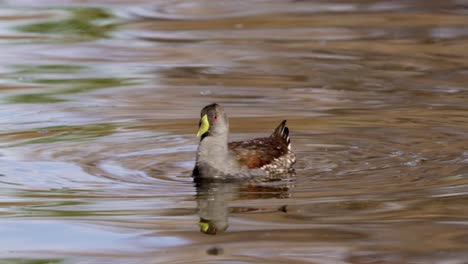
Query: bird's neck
[(213, 151), (214, 145)]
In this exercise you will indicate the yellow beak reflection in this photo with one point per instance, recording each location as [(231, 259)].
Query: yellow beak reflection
[(203, 226)]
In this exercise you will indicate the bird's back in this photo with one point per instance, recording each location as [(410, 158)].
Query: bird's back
[(272, 154)]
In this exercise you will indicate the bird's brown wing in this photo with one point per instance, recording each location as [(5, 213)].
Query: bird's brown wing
[(258, 152)]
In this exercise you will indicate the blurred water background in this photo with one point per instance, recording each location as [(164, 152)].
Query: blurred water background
[(99, 106)]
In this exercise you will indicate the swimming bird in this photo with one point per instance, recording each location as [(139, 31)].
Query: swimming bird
[(217, 158)]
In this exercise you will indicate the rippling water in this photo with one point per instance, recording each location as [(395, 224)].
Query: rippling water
[(99, 107)]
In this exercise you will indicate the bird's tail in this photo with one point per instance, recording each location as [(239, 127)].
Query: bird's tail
[(282, 132)]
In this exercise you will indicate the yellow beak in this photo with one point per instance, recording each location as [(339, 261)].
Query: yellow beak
[(204, 126), (203, 226)]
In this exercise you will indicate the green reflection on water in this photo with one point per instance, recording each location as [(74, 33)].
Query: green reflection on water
[(70, 133), (82, 23), (85, 84), (58, 213), (50, 68), (34, 98), (29, 261), (67, 86)]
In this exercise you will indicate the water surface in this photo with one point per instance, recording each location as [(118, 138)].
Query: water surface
[(99, 108)]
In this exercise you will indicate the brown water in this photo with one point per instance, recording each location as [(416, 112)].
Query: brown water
[(98, 115)]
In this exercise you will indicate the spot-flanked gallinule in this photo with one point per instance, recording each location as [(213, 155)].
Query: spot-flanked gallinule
[(217, 158)]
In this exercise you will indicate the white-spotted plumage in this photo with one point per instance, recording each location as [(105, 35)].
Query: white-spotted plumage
[(280, 165)]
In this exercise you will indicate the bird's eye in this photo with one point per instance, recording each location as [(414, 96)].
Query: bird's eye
[(215, 117)]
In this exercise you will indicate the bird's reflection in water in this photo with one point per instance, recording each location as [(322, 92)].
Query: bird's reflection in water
[(213, 198), (214, 195)]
